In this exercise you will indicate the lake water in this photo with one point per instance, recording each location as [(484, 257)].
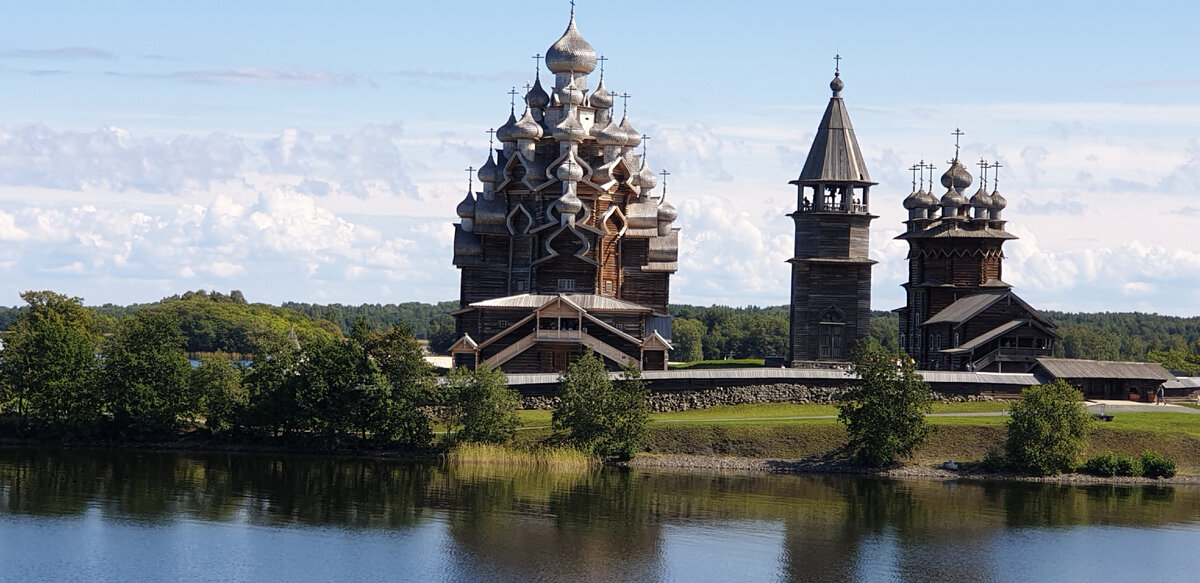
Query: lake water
[(101, 515)]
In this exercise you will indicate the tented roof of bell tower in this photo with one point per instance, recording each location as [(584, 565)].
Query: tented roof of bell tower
[(835, 155)]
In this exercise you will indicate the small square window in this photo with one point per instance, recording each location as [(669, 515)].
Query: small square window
[(608, 287), (566, 284)]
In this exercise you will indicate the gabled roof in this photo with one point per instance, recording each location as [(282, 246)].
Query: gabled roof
[(656, 341), (1070, 368), (835, 155), (988, 336), (972, 305), (583, 301), (464, 344)]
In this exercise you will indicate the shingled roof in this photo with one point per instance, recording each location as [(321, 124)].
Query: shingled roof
[(835, 155), (1070, 368)]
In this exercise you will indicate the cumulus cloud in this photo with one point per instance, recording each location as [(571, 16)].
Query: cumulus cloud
[(364, 164)]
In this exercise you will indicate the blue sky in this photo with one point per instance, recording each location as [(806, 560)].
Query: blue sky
[(312, 152)]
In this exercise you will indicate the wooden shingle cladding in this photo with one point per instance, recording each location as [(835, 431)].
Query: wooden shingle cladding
[(960, 314), (831, 270), (568, 206)]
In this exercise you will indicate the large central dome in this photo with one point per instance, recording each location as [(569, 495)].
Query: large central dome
[(571, 53)]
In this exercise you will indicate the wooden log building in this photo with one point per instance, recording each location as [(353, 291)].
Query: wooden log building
[(831, 273), (565, 247)]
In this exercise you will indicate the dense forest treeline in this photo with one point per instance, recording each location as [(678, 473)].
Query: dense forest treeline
[(213, 321)]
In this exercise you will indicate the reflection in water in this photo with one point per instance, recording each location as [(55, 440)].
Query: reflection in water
[(371, 517)]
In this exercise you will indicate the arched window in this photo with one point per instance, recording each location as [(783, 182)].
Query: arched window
[(831, 342)]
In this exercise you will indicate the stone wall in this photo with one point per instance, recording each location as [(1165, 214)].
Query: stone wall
[(743, 395)]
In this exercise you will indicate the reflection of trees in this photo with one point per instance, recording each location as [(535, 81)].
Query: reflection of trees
[(531, 525), (526, 524)]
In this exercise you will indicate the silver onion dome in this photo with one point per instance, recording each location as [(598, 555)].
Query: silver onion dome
[(569, 171), (953, 198), (998, 201), (527, 128), (466, 208), (914, 200), (571, 53), (646, 178), (570, 130), (632, 137), (667, 212), (601, 98), (930, 199), (505, 132), (981, 199), (957, 177), (489, 173), (568, 204), (537, 97), (837, 85), (571, 94), (611, 134)]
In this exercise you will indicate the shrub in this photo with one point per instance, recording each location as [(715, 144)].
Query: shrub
[(884, 412), (1109, 464), (481, 407), (1048, 429), (602, 416), (1155, 465), (993, 461)]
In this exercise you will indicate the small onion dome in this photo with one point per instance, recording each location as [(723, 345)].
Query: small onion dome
[(601, 98), (537, 97), (929, 198), (646, 179), (569, 171), (466, 208), (632, 137), (982, 199), (611, 134), (836, 85), (506, 131), (956, 177), (489, 173), (527, 128), (667, 212), (568, 204), (953, 198), (915, 200), (571, 53), (571, 94), (998, 202), (570, 130)]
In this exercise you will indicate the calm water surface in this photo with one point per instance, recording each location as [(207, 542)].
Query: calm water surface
[(99, 515)]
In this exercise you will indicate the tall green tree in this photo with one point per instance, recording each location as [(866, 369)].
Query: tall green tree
[(598, 414), (1047, 429), (687, 335), (146, 377), (884, 412), (48, 365), (481, 408), (217, 381)]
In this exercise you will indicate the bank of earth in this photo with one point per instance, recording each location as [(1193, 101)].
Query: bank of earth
[(772, 437)]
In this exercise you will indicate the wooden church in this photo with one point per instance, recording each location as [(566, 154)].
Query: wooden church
[(960, 314), (565, 247)]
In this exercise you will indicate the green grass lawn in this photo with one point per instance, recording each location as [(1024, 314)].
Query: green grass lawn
[(730, 363)]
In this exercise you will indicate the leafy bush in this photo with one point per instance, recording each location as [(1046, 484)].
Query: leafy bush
[(1155, 465), (993, 461), (1110, 464), (602, 416), (1047, 429), (884, 412), (481, 408)]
